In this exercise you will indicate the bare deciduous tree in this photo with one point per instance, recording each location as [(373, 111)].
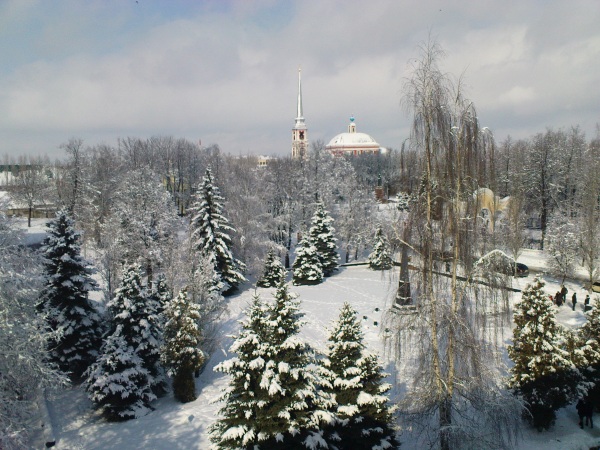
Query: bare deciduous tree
[(31, 184), (456, 391), (589, 211)]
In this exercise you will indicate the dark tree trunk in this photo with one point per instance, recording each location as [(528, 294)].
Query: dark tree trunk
[(445, 422), (184, 386)]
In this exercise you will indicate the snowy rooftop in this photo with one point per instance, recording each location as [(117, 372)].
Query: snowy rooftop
[(353, 139)]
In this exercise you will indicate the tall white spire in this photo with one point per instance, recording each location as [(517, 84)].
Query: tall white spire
[(299, 132), (300, 115)]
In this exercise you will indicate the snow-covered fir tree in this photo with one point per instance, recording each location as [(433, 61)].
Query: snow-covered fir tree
[(321, 236), (64, 299), (543, 373), (181, 353), (273, 272), (589, 338), (291, 406), (307, 268), (161, 294), (119, 383), (380, 258), (239, 423), (152, 335), (355, 379), (211, 233)]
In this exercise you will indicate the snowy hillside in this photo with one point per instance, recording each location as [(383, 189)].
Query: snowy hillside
[(184, 426)]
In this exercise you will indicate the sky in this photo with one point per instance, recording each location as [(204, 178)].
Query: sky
[(226, 72)]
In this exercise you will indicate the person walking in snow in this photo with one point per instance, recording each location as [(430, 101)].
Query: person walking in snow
[(574, 300), (588, 411), (580, 411), (563, 292), (558, 298), (586, 303)]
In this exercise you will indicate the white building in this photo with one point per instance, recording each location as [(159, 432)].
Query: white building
[(353, 143)]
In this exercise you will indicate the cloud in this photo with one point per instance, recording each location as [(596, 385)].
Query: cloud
[(226, 72)]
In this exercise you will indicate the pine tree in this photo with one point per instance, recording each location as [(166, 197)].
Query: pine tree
[(290, 413), (150, 348), (589, 337), (242, 414), (273, 272), (119, 382), (161, 294), (307, 267), (74, 321), (543, 373), (354, 378), (211, 233), (181, 353), (380, 258), (321, 236)]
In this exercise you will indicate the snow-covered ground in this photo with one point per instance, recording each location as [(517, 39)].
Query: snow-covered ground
[(176, 426)]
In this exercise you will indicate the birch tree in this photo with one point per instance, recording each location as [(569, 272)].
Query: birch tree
[(456, 392)]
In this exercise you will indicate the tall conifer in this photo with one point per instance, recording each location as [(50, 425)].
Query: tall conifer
[(321, 235), (181, 353), (119, 383), (291, 415), (211, 233), (307, 268), (242, 414), (589, 337), (64, 301), (380, 258), (543, 373), (355, 379), (273, 272)]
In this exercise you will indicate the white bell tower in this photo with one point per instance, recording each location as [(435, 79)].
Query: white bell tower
[(299, 132)]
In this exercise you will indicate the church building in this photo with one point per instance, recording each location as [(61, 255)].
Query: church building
[(352, 142), (349, 143)]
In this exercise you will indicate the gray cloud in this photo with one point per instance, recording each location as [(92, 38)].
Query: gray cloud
[(225, 72)]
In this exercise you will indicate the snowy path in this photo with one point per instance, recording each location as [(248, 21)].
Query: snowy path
[(174, 426)]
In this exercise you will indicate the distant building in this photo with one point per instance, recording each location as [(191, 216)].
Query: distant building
[(263, 161), (352, 142), (299, 132), (349, 143)]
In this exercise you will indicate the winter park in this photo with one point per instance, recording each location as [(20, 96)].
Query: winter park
[(160, 293)]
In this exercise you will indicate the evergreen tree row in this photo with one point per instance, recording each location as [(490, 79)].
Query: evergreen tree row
[(146, 332), (276, 397)]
